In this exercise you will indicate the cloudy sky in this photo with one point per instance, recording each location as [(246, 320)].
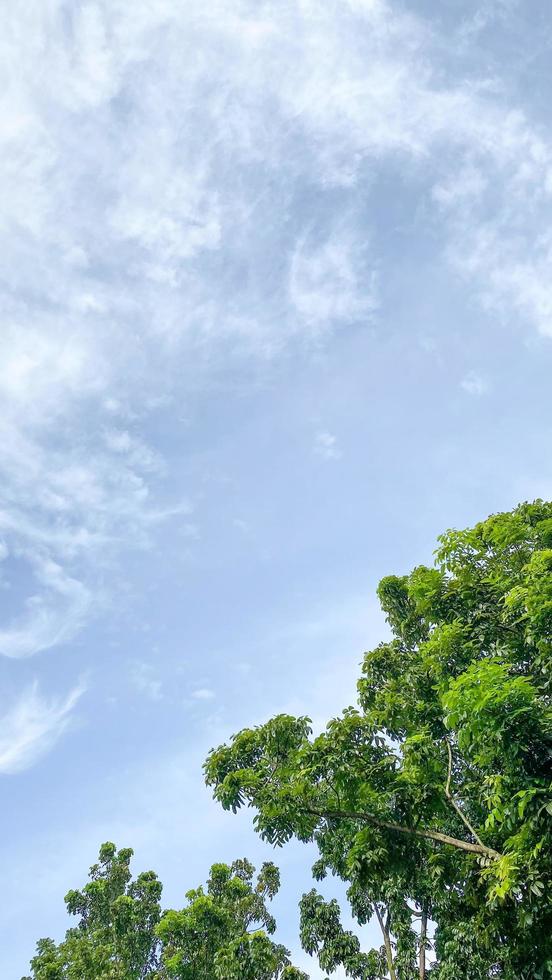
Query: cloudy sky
[(276, 310)]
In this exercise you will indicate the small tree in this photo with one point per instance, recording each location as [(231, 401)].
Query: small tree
[(432, 798)]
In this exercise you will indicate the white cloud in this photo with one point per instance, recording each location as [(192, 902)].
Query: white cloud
[(145, 679), (325, 446), (65, 504), (161, 167), (52, 615), (203, 694), (487, 13), (474, 384), (241, 525), (468, 183), (514, 275), (330, 284), (32, 726)]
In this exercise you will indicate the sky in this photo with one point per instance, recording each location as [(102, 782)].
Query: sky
[(276, 290)]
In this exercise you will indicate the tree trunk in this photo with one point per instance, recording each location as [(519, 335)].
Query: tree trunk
[(423, 940), (387, 942), (389, 954)]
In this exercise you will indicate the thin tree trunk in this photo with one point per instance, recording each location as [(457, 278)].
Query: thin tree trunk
[(387, 942), (423, 941)]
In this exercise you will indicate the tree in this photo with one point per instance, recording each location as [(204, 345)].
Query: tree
[(431, 798), (115, 938), (223, 933)]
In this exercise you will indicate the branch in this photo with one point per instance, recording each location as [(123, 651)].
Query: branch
[(453, 802), (462, 845), (449, 774)]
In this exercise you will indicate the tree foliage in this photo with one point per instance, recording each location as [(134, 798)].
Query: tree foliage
[(223, 932), (115, 937), (432, 797)]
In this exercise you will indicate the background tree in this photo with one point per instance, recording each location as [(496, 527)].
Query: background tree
[(431, 799), (115, 937), (224, 931)]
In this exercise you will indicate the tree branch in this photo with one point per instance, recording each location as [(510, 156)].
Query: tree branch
[(436, 835), (449, 773), (453, 802)]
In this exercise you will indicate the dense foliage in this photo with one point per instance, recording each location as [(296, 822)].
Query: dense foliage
[(432, 798), (223, 933), (115, 935)]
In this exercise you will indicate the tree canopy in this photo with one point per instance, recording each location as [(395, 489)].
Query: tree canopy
[(223, 932), (431, 798), (115, 937)]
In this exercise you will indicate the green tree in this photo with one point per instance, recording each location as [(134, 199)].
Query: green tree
[(431, 799), (115, 938), (223, 933)]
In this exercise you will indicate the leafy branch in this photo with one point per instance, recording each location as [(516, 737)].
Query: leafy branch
[(435, 835)]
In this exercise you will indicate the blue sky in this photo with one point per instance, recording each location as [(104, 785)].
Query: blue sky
[(277, 310)]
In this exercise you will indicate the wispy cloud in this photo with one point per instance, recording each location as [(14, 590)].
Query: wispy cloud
[(145, 679), (145, 194), (474, 384), (325, 446), (32, 726), (52, 615), (203, 694), (486, 14), (331, 283)]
